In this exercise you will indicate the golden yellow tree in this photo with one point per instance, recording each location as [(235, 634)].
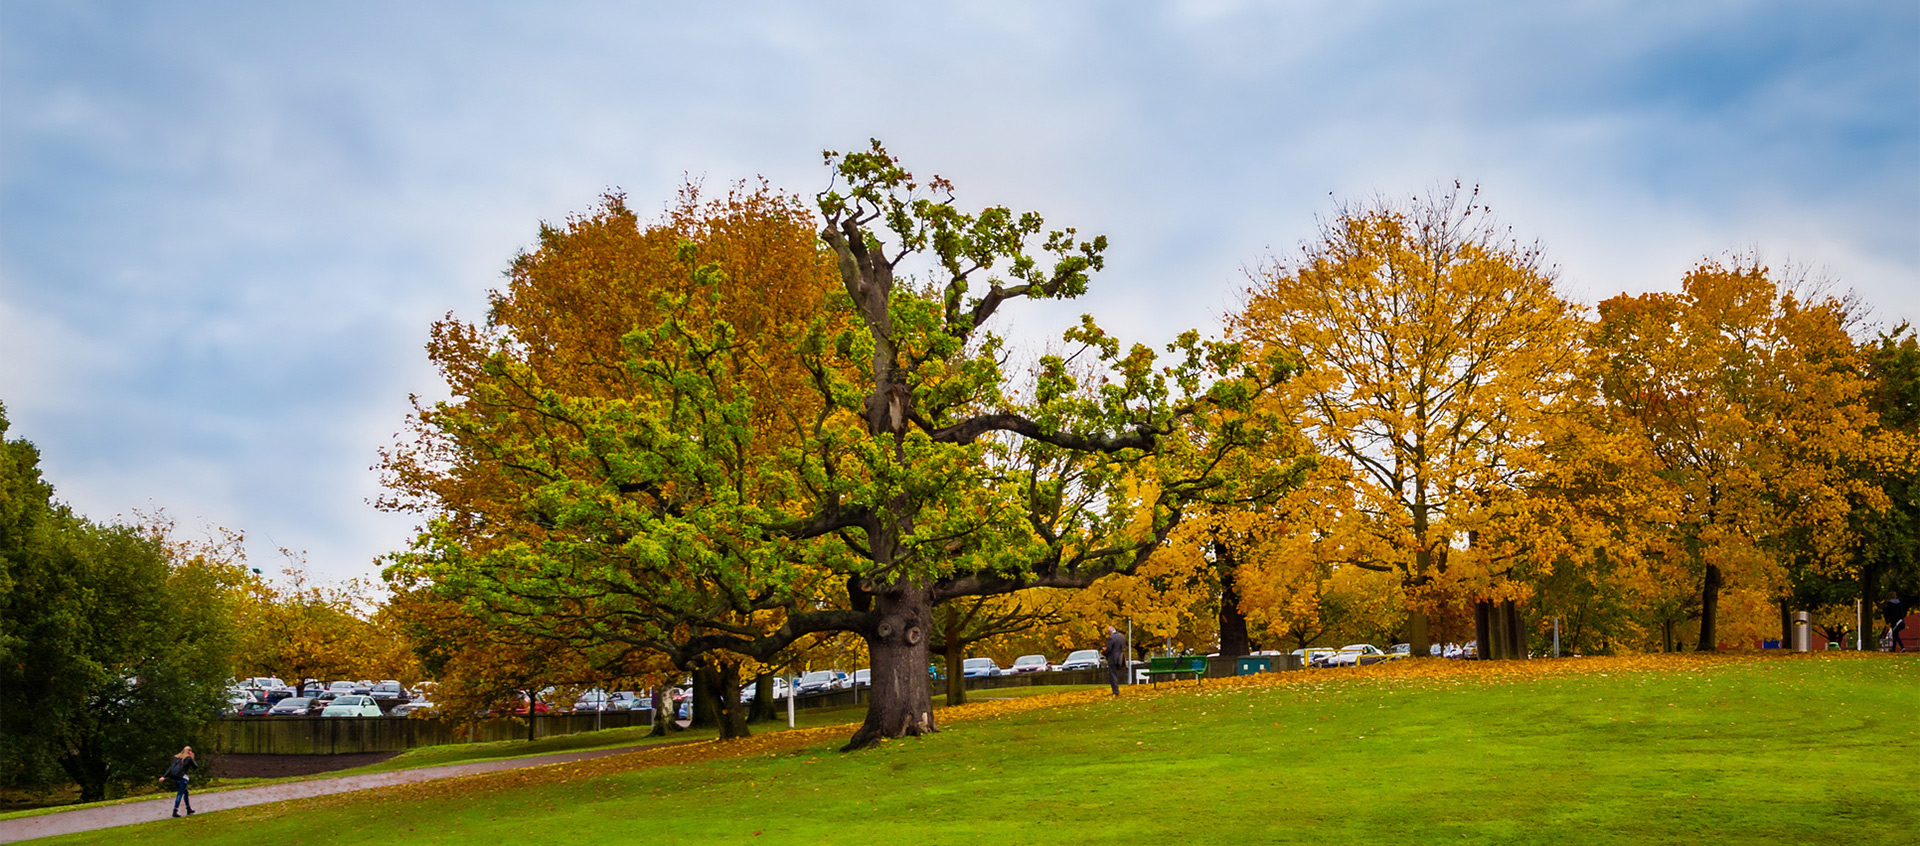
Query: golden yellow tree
[(1752, 404), (1435, 350)]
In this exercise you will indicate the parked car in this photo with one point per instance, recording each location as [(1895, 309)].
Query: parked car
[(255, 708), (1028, 664), (1083, 659), (518, 707), (352, 705), (863, 678), (592, 701), (411, 707), (292, 706), (319, 702), (389, 690), (821, 681), (1313, 656), (1354, 654), (626, 700), (341, 687), (1400, 649), (975, 668), (751, 690)]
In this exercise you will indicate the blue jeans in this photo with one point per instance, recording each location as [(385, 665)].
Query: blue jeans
[(180, 795)]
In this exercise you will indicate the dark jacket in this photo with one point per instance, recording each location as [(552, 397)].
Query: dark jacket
[(180, 766), (1116, 651), (1893, 610)]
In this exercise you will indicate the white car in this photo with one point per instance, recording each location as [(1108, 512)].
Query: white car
[(1029, 664), (1352, 654), (352, 705)]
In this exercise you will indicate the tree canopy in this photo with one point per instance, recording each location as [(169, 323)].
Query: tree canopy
[(728, 486)]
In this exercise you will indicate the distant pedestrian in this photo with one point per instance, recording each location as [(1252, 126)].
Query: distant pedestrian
[(1895, 613), (178, 772), (1116, 654)]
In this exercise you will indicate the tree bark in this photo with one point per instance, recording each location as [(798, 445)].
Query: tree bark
[(1482, 634), (661, 719), (1516, 630), (1709, 611), (902, 703), (723, 690), (762, 709), (956, 673), (87, 767), (1234, 641), (704, 715), (1419, 641)]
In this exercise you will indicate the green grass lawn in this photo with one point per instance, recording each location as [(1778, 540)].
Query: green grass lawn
[(1658, 749)]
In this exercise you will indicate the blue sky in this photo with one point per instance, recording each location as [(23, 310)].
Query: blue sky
[(224, 227)]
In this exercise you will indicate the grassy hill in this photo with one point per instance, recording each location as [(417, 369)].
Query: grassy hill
[(1652, 749)]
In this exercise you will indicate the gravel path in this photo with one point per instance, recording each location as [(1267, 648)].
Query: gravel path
[(89, 819)]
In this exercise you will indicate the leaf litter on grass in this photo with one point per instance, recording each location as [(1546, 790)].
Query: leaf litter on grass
[(1309, 687)]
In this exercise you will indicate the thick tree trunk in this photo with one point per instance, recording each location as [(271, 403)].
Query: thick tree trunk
[(1419, 640), (1709, 611), (1234, 641), (953, 651), (704, 714), (1516, 630), (902, 703), (661, 719), (1482, 629), (87, 767), (723, 680), (956, 675), (762, 709)]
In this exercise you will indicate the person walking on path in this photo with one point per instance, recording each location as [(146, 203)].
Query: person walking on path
[(178, 772), (1116, 655)]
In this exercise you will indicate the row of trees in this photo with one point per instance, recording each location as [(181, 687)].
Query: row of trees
[(706, 444), (113, 647), (118, 640)]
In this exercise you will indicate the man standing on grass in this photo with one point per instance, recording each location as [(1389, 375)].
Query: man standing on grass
[(1116, 655)]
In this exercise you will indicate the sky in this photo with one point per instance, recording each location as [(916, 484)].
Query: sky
[(225, 227)]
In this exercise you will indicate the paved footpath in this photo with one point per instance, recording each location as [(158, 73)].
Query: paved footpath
[(108, 816)]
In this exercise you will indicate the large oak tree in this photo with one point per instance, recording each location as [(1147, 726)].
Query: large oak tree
[(727, 484)]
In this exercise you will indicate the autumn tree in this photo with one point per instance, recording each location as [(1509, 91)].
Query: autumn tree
[(1750, 402), (729, 488), (1889, 538), (1435, 351), (604, 320), (301, 629)]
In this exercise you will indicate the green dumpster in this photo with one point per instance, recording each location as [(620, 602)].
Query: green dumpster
[(1254, 664)]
